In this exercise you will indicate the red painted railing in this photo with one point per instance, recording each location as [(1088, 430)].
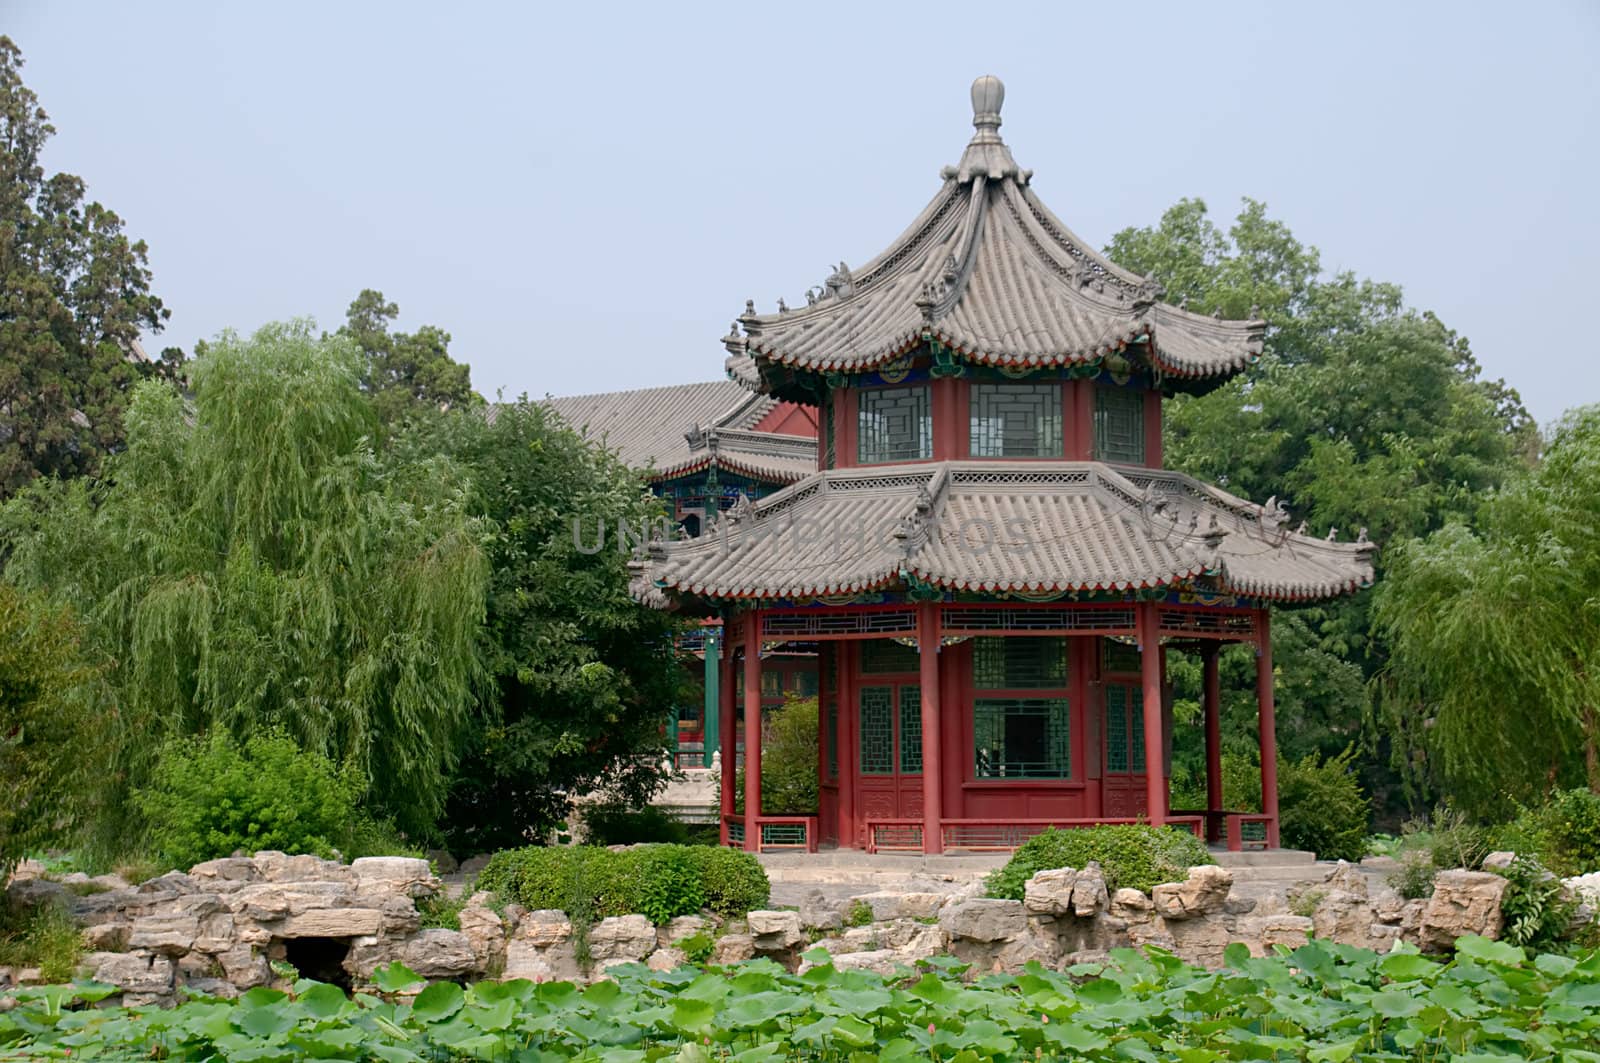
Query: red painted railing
[(1223, 825), (991, 835), (778, 833)]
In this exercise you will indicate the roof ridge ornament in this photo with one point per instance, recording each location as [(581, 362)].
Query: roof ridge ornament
[(986, 154)]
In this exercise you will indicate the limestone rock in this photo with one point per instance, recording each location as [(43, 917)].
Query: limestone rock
[(106, 937), (775, 931), (622, 937), (1202, 893), (544, 927), (540, 965), (1463, 902), (685, 926), (486, 932), (474, 864), (173, 882), (133, 973), (331, 923), (169, 935), (244, 967), (279, 867), (1200, 941), (1033, 946), (394, 874), (879, 961), (668, 959), (818, 913), (1499, 860), (985, 919), (1132, 906), (892, 904), (1089, 893), (1344, 917), (440, 954), (1262, 932), (733, 948), (1347, 877), (1050, 892)]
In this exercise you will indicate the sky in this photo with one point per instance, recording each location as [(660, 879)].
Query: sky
[(584, 195)]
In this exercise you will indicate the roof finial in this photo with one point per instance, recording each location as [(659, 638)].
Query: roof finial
[(988, 95)]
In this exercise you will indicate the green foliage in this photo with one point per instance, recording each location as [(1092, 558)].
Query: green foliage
[(580, 676), (1241, 783), (42, 935), (859, 914), (789, 744), (1321, 1002), (1321, 807), (697, 947), (210, 796), (1564, 832), (51, 737), (616, 824), (1496, 664), (74, 297), (442, 911), (1413, 875), (1131, 856), (1536, 912), (1449, 839), (249, 561), (405, 373), (660, 881)]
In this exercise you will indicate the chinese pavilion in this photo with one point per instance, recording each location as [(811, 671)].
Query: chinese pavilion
[(989, 554), (700, 448)]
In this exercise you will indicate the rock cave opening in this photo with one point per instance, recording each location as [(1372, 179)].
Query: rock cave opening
[(320, 959)]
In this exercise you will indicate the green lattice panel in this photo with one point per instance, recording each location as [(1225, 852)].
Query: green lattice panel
[(1023, 738), (911, 730), (1120, 657), (877, 730), (789, 835), (1119, 425), (1136, 729), (1016, 421), (833, 739), (888, 657), (1019, 663), (1116, 729), (894, 424), (736, 832)]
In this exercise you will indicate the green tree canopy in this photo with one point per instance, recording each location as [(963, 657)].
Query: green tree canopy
[(51, 727), (74, 295), (405, 372), (250, 561), (1495, 635), (583, 677)]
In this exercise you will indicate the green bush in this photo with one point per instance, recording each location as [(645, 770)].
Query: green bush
[(615, 824), (1132, 856), (1414, 875), (209, 796), (1537, 915), (1564, 832), (659, 881), (1321, 807), (1449, 839), (789, 744), (42, 935), (1241, 784)]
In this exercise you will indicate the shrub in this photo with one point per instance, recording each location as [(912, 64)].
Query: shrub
[(1132, 856), (859, 914), (659, 881), (1449, 839), (1321, 807), (1564, 832), (789, 744), (616, 824), (1414, 875), (1241, 784), (210, 796), (1537, 914), (42, 935)]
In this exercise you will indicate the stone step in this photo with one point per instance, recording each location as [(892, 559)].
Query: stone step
[(1264, 858)]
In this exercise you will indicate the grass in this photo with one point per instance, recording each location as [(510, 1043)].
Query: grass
[(42, 936), (443, 912)]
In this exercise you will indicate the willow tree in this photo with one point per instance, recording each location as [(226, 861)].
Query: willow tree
[(250, 561), (1495, 634)]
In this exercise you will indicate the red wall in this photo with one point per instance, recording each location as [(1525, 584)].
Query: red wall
[(789, 419)]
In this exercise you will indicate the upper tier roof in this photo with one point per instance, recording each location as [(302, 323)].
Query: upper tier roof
[(987, 270), (684, 427)]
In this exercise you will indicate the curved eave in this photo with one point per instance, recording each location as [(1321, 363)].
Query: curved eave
[(754, 470)]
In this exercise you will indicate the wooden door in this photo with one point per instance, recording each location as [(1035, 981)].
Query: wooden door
[(1124, 784), (889, 752)]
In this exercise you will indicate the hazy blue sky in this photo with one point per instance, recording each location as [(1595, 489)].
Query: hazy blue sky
[(585, 194)]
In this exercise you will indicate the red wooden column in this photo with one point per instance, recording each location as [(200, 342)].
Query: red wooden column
[(932, 775), (1268, 724), (752, 730), (1155, 782), (1212, 698), (727, 709), (849, 829)]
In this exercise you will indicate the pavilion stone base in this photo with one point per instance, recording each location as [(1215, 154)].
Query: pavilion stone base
[(218, 929)]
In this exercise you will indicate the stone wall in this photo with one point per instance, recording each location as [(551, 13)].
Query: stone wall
[(231, 924)]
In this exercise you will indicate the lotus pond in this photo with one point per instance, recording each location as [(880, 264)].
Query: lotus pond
[(1318, 1002)]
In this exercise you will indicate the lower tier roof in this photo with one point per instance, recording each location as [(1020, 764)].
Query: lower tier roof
[(989, 526)]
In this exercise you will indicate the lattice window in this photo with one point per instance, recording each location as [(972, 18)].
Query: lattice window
[(1119, 425), (771, 684), (894, 424), (1022, 738), (1016, 421), (1123, 657), (888, 657), (1056, 618), (805, 684), (1019, 664), (910, 730), (832, 737), (783, 835), (1124, 729), (813, 623), (877, 730)]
